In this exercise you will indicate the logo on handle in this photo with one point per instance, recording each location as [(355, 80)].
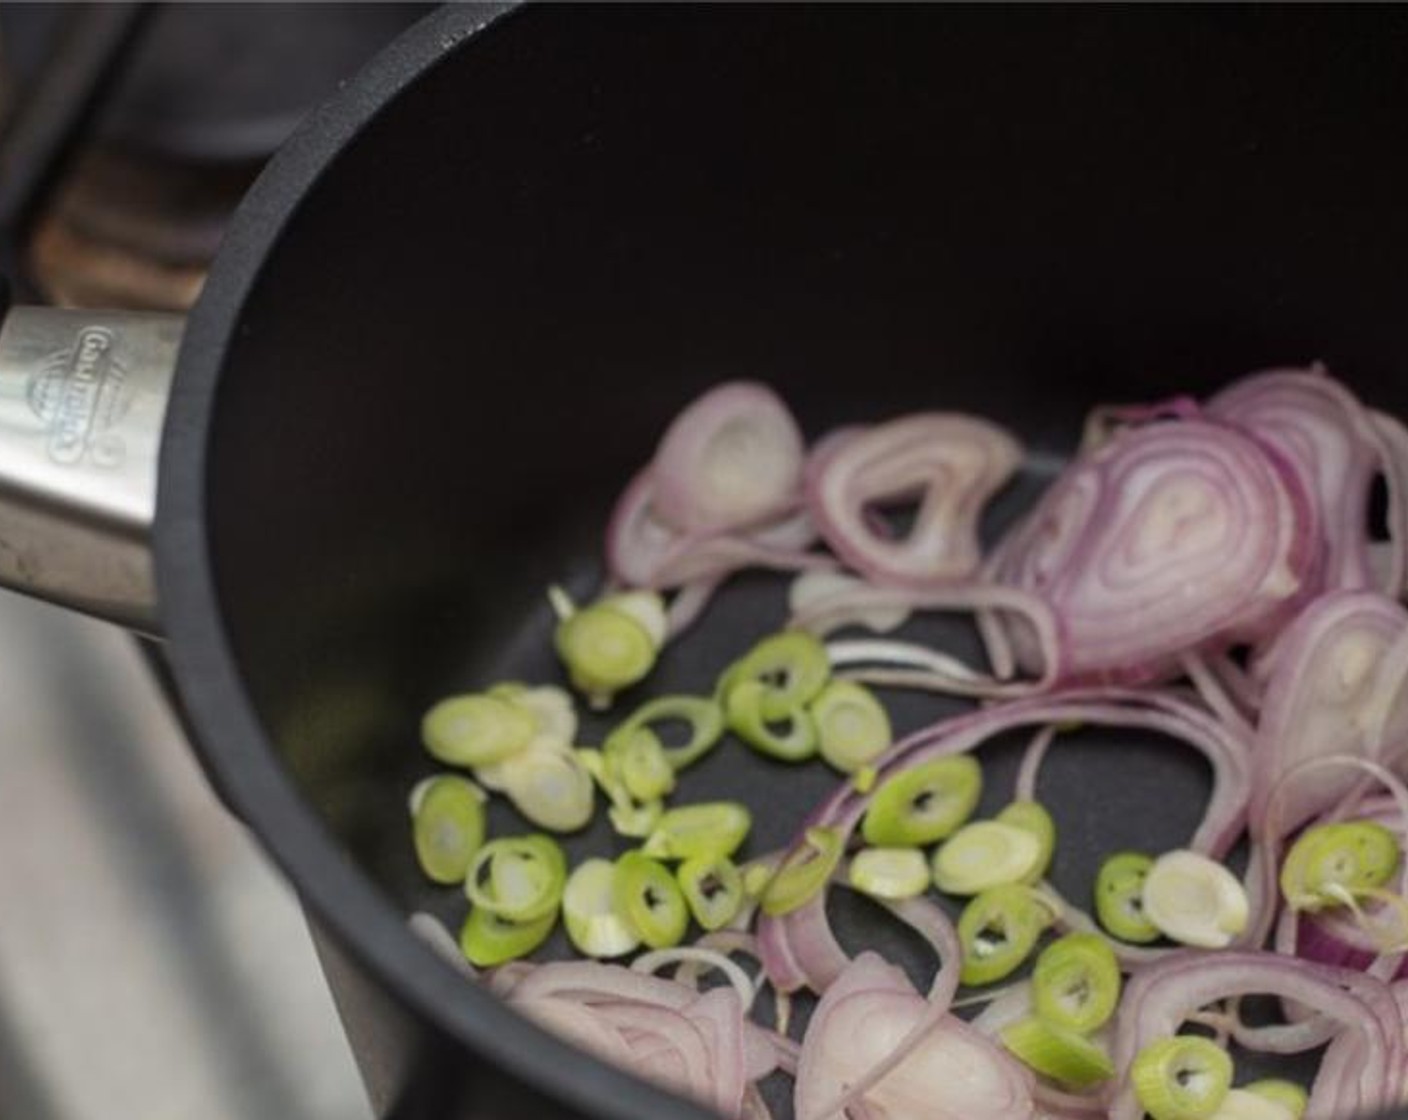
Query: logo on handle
[(81, 394)]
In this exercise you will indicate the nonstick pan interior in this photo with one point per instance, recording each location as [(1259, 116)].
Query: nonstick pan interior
[(477, 323)]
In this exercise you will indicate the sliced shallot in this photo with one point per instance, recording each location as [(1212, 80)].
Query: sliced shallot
[(731, 459), (1168, 539), (949, 463)]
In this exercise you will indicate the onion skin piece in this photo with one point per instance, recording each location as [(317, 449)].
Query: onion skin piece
[(955, 463)]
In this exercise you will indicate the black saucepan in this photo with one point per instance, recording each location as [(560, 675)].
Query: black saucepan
[(458, 309)]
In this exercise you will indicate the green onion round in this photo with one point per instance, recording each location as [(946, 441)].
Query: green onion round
[(517, 878), (594, 923), (745, 708), (475, 730), (1076, 983), (447, 822), (851, 725), (804, 872), (1119, 897), (924, 803), (704, 716), (1060, 1054), (1031, 816), (644, 769), (651, 901), (604, 650), (985, 854), (488, 940), (1328, 863), (1182, 1078), (713, 889), (791, 667), (891, 873), (998, 930), (709, 828)]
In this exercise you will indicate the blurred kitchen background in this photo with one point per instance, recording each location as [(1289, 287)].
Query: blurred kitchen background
[(153, 964)]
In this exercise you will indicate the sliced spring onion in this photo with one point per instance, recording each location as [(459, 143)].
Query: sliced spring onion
[(1060, 1054), (1119, 897), (851, 725), (804, 872), (517, 878), (1332, 862), (713, 890), (594, 924), (646, 607), (863, 780), (890, 872), (1031, 816), (548, 784), (703, 714), (710, 828), (605, 649), (476, 730), (756, 877), (551, 707), (652, 903), (1239, 1104), (985, 854), (1076, 983), (641, 763), (998, 930), (744, 708), (488, 940), (1194, 900), (1287, 1094), (792, 667), (925, 803), (628, 817), (636, 821), (447, 821), (1182, 1078)]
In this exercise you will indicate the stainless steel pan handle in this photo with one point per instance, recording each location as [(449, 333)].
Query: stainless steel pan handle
[(83, 396)]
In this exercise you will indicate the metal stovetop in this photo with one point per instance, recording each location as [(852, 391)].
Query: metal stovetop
[(153, 964)]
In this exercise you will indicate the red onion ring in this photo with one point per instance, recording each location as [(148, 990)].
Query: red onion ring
[(952, 463)]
